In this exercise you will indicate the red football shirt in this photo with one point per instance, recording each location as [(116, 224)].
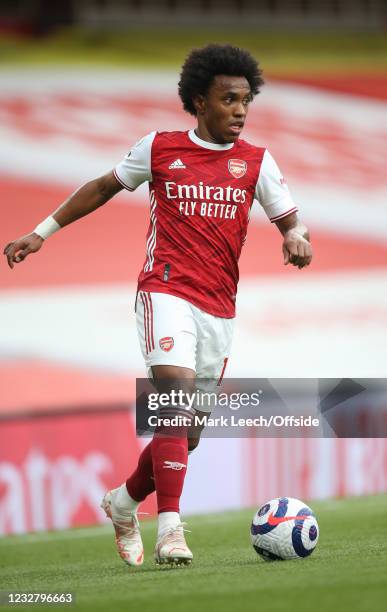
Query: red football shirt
[(201, 196)]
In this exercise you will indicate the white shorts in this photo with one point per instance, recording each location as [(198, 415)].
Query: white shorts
[(174, 332)]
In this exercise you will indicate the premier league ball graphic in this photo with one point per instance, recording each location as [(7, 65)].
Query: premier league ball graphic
[(284, 528)]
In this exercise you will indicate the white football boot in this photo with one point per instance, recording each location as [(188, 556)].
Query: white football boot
[(127, 528), (171, 548)]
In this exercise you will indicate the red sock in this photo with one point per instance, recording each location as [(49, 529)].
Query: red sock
[(141, 483), (170, 456)]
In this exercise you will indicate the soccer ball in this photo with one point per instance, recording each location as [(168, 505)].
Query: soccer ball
[(284, 528)]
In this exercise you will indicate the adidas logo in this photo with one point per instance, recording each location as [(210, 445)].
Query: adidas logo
[(177, 164)]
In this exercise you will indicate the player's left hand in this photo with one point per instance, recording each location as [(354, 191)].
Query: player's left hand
[(296, 249)]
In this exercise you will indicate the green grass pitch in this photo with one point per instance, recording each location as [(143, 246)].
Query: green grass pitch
[(347, 571)]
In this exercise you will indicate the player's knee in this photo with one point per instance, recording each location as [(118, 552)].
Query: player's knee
[(192, 444), (173, 378)]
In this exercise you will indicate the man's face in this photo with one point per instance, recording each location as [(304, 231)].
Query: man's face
[(222, 112)]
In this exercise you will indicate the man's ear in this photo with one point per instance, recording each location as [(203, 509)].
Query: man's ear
[(199, 103)]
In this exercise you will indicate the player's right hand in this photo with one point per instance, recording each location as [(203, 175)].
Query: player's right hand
[(18, 250)]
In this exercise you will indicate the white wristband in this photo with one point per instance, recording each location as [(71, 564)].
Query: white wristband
[(47, 227)]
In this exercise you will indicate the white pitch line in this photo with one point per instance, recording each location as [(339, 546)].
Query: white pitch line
[(103, 530), (88, 532), (73, 534)]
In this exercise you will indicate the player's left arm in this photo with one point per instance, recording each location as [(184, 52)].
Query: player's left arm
[(296, 246)]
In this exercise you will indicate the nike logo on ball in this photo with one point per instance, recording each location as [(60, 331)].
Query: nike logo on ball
[(276, 520)]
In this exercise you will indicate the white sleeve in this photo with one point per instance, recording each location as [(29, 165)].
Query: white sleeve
[(272, 191), (135, 168)]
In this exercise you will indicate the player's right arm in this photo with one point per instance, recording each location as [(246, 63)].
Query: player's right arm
[(131, 172), (85, 200)]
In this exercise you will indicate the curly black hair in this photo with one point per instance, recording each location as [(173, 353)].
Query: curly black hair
[(202, 65)]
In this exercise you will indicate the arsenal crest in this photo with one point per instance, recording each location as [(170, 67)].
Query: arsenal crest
[(166, 344), (237, 167)]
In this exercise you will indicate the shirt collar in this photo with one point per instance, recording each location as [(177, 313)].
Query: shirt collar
[(214, 146)]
